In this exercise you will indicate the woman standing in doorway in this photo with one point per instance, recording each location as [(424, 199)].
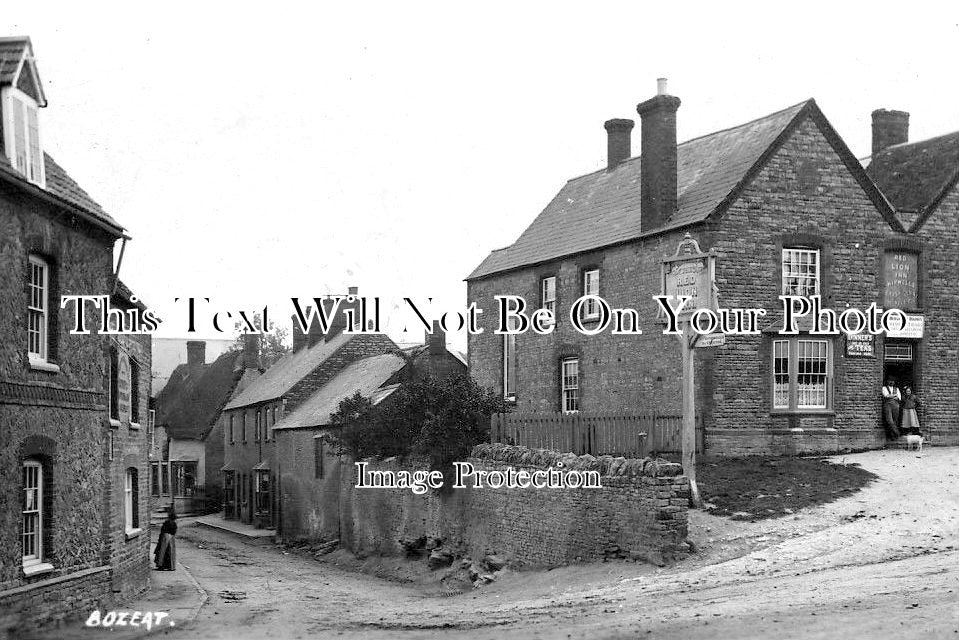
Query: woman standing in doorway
[(890, 408), (910, 418), (165, 554)]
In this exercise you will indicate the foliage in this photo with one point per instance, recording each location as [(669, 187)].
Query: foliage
[(272, 341), (438, 418)]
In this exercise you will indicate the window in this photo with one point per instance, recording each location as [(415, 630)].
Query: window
[(243, 427), (269, 418), (261, 491), (232, 434), (131, 501), (151, 427), (155, 479), (570, 385), (897, 351), (134, 392), (802, 374), (591, 288), (548, 291), (164, 479), (38, 310), (256, 426), (21, 129), (32, 513), (509, 361), (318, 454), (800, 270), (114, 385)]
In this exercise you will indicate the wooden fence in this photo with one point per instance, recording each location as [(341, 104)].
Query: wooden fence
[(594, 433)]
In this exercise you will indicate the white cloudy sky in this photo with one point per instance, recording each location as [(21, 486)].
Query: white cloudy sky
[(257, 151)]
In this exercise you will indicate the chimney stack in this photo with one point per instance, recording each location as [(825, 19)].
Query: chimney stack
[(251, 350), (658, 164), (195, 354), (299, 338), (618, 132), (436, 341), (888, 128), (339, 321)]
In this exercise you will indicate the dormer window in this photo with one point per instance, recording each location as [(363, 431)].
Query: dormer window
[(21, 96)]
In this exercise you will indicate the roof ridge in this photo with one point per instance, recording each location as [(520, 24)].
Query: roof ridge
[(903, 145)]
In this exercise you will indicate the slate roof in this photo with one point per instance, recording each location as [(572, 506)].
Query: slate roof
[(365, 376), (915, 176), (190, 403), (287, 371), (603, 208), (11, 53)]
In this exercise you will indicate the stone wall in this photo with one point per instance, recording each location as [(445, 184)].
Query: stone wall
[(32, 610), (640, 512)]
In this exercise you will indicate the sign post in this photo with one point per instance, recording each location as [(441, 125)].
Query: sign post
[(692, 273)]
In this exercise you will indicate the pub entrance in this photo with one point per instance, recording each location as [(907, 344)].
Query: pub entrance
[(899, 363)]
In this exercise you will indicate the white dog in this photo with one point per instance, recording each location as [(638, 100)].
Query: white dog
[(913, 441)]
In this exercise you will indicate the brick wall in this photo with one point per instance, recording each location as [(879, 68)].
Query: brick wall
[(805, 193), (50, 603), (640, 512)]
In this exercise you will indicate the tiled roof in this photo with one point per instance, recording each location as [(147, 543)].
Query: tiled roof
[(11, 53), (603, 207), (287, 371), (190, 403), (364, 376), (914, 176)]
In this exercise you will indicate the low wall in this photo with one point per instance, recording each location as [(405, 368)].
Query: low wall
[(640, 512), (33, 610)]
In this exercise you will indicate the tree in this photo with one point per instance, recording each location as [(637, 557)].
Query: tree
[(441, 419), (272, 341)]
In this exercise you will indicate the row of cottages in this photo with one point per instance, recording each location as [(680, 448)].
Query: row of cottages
[(74, 409), (186, 450), (278, 471), (787, 209)]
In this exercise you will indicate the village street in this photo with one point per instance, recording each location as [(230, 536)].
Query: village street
[(882, 563)]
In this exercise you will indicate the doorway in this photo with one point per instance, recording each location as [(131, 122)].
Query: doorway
[(899, 363)]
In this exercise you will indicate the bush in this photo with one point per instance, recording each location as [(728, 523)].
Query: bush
[(441, 419)]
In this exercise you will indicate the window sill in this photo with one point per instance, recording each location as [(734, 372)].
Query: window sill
[(37, 568), (43, 365), (135, 425), (133, 533), (802, 412), (114, 423)]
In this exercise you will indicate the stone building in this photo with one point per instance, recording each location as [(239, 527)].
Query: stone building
[(786, 208), (310, 473), (73, 408), (189, 455), (920, 180), (250, 464)]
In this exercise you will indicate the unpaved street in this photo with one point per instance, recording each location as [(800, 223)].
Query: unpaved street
[(882, 563)]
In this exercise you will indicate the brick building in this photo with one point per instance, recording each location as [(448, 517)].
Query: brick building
[(921, 180), (185, 469), (787, 209), (73, 408), (310, 473), (250, 464)]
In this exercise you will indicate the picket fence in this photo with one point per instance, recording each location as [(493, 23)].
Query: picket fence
[(615, 434)]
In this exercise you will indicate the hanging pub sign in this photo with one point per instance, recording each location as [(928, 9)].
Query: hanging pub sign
[(690, 272), (862, 345)]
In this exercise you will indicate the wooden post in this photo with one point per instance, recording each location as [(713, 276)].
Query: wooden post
[(687, 344)]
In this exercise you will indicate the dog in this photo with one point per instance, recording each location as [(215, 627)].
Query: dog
[(913, 441)]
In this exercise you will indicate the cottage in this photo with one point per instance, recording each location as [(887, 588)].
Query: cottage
[(787, 210), (186, 461), (74, 409)]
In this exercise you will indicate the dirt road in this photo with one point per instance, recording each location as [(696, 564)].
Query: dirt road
[(883, 563)]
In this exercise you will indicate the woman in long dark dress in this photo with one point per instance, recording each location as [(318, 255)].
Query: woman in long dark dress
[(910, 417), (165, 554)]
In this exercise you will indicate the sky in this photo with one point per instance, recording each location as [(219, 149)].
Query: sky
[(256, 152)]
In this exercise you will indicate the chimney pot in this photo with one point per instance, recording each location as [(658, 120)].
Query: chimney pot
[(353, 291), (195, 353), (661, 87), (618, 145), (658, 163), (889, 127)]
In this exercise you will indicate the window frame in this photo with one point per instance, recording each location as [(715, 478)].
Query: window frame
[(563, 388), (794, 350), (36, 558), (114, 382), (800, 249), (131, 501), (134, 394), (509, 362), (548, 301), (232, 432), (591, 308), (257, 425), (42, 356), (319, 455), (32, 138)]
